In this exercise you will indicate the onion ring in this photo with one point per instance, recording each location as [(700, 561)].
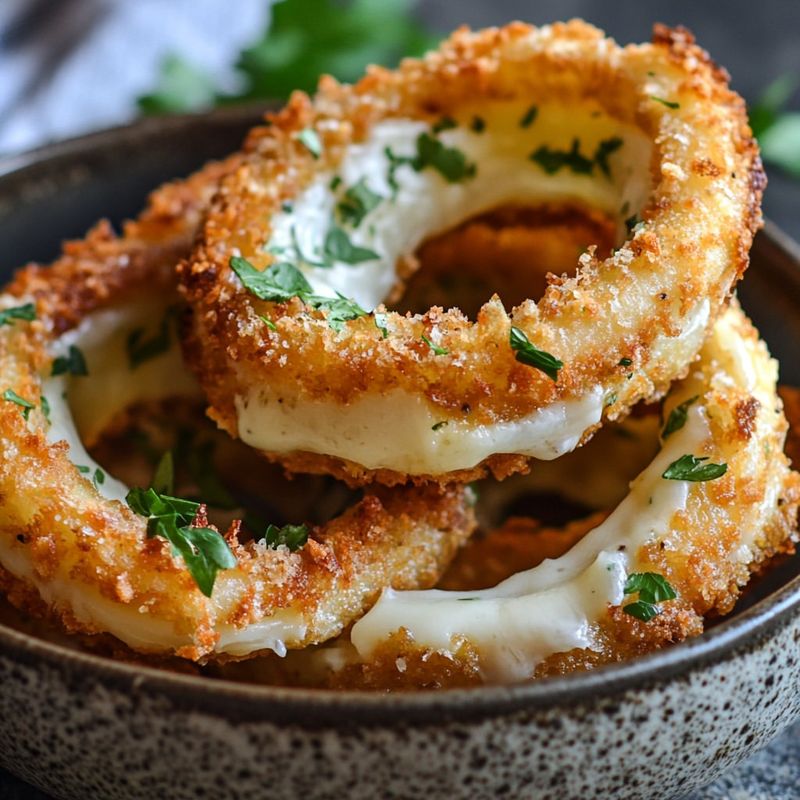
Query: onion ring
[(80, 553), (335, 195), (716, 502)]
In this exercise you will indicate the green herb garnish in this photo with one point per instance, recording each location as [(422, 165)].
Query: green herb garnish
[(438, 351), (449, 162), (338, 247), (268, 322), (282, 281), (439, 425), (292, 536), (624, 362), (668, 103), (551, 160), (528, 354), (25, 405), (677, 417), (444, 124), (309, 138), (478, 124), (529, 117), (25, 312), (604, 149), (692, 468), (204, 551), (380, 324), (652, 589), (45, 407), (357, 202), (140, 349), (73, 363)]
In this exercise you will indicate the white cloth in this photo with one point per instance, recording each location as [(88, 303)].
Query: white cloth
[(79, 65)]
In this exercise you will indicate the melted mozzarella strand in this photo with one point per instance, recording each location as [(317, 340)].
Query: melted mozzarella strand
[(423, 203), (555, 606)]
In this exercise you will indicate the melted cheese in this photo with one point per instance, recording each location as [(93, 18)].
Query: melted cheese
[(426, 204), (555, 606)]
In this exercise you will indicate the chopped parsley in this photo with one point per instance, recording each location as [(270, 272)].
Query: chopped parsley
[(141, 349), (529, 117), (309, 138), (357, 202), (204, 551), (444, 124), (338, 247), (282, 281), (478, 124), (624, 362), (652, 589), (604, 149), (292, 536), (631, 222), (336, 182), (98, 478), (438, 351), (25, 405), (395, 162), (380, 324), (551, 160), (45, 407), (449, 162), (268, 322), (668, 103), (528, 354), (692, 468), (73, 363), (287, 207), (677, 417), (439, 425), (26, 313)]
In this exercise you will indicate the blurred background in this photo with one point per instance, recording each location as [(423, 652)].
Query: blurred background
[(70, 66)]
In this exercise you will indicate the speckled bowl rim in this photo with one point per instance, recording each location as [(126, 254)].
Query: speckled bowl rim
[(313, 707)]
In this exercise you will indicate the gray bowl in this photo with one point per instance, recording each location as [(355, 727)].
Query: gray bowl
[(79, 726)]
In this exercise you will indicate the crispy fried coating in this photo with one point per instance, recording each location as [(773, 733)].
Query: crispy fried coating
[(68, 551), (691, 247)]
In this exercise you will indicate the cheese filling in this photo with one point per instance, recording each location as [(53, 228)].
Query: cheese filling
[(555, 606)]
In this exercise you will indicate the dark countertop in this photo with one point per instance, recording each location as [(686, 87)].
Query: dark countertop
[(757, 43)]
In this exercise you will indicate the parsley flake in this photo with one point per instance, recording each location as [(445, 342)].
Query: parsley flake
[(268, 322), (25, 405), (668, 103), (437, 351), (309, 138), (45, 407), (141, 349), (338, 247), (478, 124), (357, 202), (692, 468), (449, 162), (529, 117), (604, 149), (73, 363), (439, 425), (444, 124), (380, 324), (677, 417), (293, 536), (204, 551), (282, 281), (528, 354), (652, 588), (624, 362), (25, 313), (551, 160)]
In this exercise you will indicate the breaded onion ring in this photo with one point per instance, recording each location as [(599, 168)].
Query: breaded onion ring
[(319, 226), (717, 500), (68, 545)]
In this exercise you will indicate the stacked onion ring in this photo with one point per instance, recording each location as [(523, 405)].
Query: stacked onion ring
[(294, 332)]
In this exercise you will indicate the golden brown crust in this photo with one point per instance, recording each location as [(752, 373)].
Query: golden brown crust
[(699, 243)]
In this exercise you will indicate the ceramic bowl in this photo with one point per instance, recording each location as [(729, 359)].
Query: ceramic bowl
[(79, 726)]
